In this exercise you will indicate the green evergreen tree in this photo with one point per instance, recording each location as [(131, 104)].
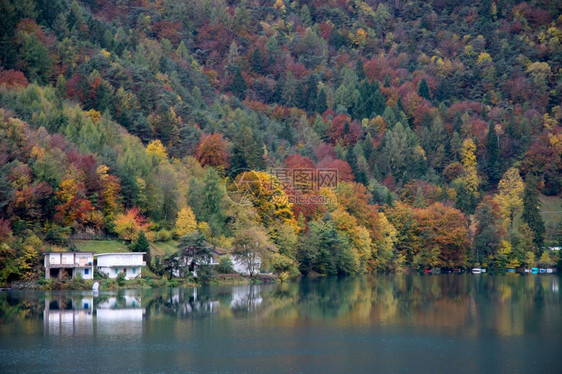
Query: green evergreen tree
[(386, 82), (290, 91), (351, 159), (246, 152), (379, 102), (359, 70), (493, 166), (423, 90), (321, 105), (141, 244), (195, 249), (311, 93), (531, 211), (213, 193), (34, 57), (256, 60), (6, 189), (238, 86)]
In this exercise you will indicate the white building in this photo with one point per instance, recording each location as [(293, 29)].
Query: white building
[(129, 263), (70, 263), (240, 265)]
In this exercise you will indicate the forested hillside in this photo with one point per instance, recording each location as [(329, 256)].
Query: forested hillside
[(442, 121)]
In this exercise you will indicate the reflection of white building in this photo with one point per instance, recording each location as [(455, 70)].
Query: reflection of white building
[(129, 263), (121, 315), (118, 314), (71, 263), (246, 297), (69, 317)]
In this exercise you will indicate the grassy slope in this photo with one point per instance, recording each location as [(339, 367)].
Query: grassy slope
[(109, 246), (101, 246), (551, 212)]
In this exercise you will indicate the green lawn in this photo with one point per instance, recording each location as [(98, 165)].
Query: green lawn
[(110, 246), (101, 246), (551, 213), (163, 248)]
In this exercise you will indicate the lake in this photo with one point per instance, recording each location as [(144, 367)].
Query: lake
[(387, 323)]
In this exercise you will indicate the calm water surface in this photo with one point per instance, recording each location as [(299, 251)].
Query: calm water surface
[(447, 323)]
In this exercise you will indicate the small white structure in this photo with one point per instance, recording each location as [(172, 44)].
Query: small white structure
[(240, 265), (129, 263), (71, 263)]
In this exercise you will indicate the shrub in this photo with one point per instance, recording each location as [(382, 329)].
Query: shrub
[(120, 279), (225, 265), (163, 235)]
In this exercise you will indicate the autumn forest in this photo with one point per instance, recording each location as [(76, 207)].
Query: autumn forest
[(328, 137)]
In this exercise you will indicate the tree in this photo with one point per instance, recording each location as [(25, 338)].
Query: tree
[(445, 228), (213, 193), (141, 244), (489, 230), (423, 90), (256, 60), (321, 105), (156, 147), (251, 246), (186, 222), (359, 69), (213, 151), (493, 161), (194, 250), (6, 189), (531, 210), (325, 250), (266, 194), (468, 184), (34, 57), (509, 197), (130, 224), (246, 152), (238, 85)]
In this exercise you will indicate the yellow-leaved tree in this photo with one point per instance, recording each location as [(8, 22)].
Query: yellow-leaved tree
[(156, 147), (186, 222), (510, 195), (468, 193)]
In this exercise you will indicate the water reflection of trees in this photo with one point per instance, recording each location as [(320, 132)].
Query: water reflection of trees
[(18, 307), (467, 304)]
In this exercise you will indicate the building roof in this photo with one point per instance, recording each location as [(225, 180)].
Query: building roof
[(120, 253), (64, 252)]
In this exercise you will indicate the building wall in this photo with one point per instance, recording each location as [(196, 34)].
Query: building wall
[(85, 272), (73, 263), (241, 267), (131, 272), (121, 259)]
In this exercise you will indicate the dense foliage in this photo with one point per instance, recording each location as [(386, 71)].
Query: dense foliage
[(441, 118)]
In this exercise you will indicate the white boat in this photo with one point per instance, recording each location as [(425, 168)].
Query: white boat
[(476, 271), (549, 271)]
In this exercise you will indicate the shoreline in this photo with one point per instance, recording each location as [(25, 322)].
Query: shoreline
[(113, 284)]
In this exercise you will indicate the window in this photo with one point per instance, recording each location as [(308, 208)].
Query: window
[(86, 271), (116, 271), (134, 270)]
